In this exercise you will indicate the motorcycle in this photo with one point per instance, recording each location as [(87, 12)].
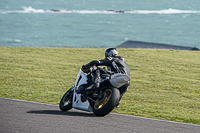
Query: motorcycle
[(100, 106)]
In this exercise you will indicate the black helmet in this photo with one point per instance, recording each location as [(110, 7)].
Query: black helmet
[(111, 52)]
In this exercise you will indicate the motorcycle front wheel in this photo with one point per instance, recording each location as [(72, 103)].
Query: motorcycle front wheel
[(66, 100), (108, 103)]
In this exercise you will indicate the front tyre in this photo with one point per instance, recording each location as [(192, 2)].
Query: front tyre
[(110, 101), (66, 101)]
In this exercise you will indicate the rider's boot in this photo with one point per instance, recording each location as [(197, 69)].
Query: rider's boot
[(95, 80)]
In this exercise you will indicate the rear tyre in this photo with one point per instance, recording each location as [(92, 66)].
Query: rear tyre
[(66, 101), (110, 101)]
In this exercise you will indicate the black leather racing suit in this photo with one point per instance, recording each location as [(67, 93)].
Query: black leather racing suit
[(115, 64)]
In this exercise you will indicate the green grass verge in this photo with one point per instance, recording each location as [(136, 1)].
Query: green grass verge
[(165, 84)]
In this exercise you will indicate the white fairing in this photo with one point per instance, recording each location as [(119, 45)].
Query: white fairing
[(77, 103), (118, 80)]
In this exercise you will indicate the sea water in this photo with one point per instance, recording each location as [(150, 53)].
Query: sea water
[(98, 23)]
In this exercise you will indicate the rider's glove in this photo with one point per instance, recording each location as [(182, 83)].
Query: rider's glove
[(85, 69)]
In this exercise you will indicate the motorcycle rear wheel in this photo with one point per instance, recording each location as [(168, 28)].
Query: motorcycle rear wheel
[(110, 101), (66, 101)]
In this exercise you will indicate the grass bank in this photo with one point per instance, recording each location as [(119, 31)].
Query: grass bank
[(165, 84)]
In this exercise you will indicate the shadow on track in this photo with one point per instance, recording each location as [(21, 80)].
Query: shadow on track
[(57, 112)]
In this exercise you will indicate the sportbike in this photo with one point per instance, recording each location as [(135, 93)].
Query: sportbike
[(100, 103)]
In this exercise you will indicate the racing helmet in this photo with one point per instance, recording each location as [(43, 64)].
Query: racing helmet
[(111, 52)]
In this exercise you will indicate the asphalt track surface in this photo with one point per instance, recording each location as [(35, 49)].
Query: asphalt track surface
[(18, 116)]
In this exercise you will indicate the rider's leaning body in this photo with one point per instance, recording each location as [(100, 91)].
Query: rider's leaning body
[(114, 63)]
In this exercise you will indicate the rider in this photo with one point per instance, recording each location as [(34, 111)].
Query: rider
[(114, 63)]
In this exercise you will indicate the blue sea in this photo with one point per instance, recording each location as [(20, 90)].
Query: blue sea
[(98, 23)]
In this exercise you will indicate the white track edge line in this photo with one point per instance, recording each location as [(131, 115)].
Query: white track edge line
[(110, 113), (157, 119), (28, 101)]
